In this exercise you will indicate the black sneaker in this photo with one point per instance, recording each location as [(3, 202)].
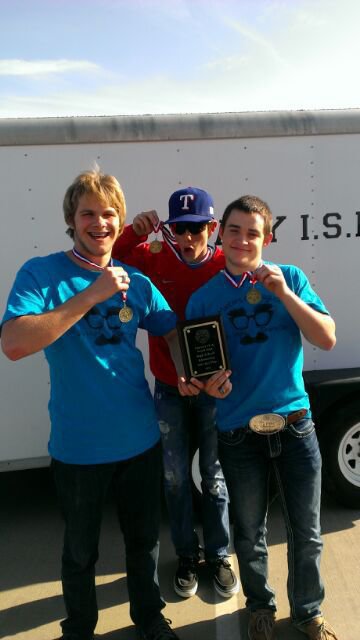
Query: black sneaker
[(75, 637), (186, 579), (225, 580), (159, 629)]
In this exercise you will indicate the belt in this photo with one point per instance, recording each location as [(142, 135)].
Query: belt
[(295, 416), (268, 423)]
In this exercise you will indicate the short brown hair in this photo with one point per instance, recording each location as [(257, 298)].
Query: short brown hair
[(250, 204), (102, 185)]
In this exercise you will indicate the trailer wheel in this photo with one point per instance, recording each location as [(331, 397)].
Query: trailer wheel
[(342, 460)]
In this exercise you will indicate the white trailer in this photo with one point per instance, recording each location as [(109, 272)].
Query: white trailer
[(305, 164)]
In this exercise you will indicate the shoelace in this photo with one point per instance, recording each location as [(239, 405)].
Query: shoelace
[(222, 562), (264, 623), (324, 632), (161, 630)]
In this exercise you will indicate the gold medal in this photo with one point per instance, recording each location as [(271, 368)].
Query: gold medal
[(253, 296), (155, 246), (125, 313)]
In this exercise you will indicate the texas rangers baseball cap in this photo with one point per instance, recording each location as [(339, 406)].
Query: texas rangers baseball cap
[(190, 205)]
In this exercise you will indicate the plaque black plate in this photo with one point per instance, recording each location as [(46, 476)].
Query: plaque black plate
[(203, 346)]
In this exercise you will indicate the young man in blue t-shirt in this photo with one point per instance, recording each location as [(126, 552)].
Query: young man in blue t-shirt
[(263, 413), (84, 309)]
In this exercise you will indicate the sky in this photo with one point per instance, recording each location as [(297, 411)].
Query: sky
[(125, 57)]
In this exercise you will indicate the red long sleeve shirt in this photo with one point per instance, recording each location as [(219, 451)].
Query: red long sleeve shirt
[(175, 279)]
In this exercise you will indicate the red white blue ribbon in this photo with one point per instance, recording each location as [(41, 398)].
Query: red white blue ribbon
[(169, 239), (247, 274), (93, 264)]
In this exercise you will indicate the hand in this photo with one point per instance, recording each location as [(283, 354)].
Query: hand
[(191, 388), (144, 223), (219, 385), (111, 281), (272, 278)]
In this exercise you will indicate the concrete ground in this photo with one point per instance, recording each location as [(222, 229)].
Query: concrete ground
[(30, 592)]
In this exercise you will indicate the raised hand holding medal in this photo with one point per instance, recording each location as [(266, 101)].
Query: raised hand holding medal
[(119, 275), (126, 313), (145, 223), (272, 278)]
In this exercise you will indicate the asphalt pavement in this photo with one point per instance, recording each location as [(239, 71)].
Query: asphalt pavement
[(31, 604)]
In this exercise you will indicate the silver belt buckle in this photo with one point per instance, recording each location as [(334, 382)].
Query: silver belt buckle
[(267, 423)]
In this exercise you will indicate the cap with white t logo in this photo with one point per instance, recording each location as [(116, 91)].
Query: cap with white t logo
[(190, 205)]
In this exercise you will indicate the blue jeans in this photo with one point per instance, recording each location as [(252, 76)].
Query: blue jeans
[(247, 459), (179, 416), (82, 491)]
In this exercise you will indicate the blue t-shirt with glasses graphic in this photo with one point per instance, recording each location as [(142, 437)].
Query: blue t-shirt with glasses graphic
[(264, 345), (101, 408)]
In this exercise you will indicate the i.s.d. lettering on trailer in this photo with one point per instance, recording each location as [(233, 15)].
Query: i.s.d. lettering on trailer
[(333, 226)]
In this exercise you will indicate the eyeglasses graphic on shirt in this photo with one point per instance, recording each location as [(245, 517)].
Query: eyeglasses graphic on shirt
[(261, 316), (193, 227), (97, 320), (107, 328)]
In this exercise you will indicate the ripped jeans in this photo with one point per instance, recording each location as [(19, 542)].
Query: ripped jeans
[(181, 420)]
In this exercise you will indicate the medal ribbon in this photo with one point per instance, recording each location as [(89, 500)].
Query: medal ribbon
[(252, 277), (247, 274), (232, 280), (93, 264), (157, 226), (169, 239)]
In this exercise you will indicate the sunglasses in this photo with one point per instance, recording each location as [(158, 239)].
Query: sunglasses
[(193, 227)]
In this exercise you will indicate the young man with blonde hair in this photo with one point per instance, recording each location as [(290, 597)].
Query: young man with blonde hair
[(263, 413), (83, 309)]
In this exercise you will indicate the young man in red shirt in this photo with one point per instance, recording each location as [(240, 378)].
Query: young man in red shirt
[(178, 266)]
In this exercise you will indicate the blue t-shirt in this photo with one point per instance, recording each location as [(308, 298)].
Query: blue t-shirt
[(101, 408), (264, 344)]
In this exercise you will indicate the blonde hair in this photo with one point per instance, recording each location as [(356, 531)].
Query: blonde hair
[(102, 185)]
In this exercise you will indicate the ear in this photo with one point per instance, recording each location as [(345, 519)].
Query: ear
[(70, 222), (267, 239), (212, 226)]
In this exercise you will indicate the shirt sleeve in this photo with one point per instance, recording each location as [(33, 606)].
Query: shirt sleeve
[(26, 296), (159, 318), (300, 284)]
